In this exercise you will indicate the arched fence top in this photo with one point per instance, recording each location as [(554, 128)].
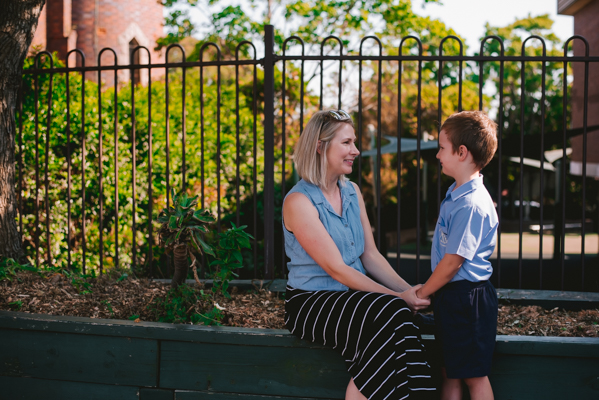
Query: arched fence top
[(245, 43), (584, 40), (492, 37), (76, 51), (296, 38), (454, 38), (178, 46), (332, 37), (376, 39), (531, 38), (205, 46), (108, 49), (141, 48), (38, 57), (418, 42)]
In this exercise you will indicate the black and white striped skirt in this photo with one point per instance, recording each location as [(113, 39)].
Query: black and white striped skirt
[(374, 332)]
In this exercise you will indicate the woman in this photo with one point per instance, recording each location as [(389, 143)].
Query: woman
[(329, 299)]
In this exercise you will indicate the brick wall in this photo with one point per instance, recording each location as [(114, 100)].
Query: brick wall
[(91, 25), (39, 39), (586, 17), (113, 24)]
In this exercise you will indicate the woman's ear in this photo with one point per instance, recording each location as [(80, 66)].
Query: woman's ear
[(318, 146)]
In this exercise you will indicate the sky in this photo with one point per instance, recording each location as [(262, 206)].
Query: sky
[(470, 24), (468, 17)]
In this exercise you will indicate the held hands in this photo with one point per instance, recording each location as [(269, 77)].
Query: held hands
[(414, 302)]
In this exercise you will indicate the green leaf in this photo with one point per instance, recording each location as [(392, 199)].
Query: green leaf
[(205, 246), (237, 256), (172, 223)]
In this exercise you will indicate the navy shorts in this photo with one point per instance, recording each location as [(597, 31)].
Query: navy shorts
[(466, 322)]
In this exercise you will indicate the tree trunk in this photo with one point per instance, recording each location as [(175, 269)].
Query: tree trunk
[(18, 21), (181, 265)]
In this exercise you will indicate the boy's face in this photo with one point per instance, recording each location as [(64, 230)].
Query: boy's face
[(450, 161)]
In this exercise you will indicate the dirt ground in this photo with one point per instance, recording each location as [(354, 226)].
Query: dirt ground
[(106, 297)]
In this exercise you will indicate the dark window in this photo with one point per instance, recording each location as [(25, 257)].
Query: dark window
[(134, 60)]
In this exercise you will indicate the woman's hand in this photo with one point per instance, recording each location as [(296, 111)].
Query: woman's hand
[(414, 302)]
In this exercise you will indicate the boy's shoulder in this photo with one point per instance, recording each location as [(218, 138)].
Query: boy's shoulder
[(477, 200)]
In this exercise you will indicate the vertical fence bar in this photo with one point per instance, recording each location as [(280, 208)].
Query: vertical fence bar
[(133, 166), (150, 260), (255, 166), (116, 170), (499, 150), (269, 110), (100, 154), (439, 120), (399, 156), (237, 146), (202, 196), (218, 149), (419, 138), (379, 134), (167, 127), (521, 194), (46, 167), (563, 169), (283, 144), (100, 145), (83, 149), (183, 122), (68, 167), (37, 165), (542, 183), (360, 120), (584, 159)]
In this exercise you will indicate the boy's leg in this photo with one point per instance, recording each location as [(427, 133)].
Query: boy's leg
[(480, 388), (451, 389)]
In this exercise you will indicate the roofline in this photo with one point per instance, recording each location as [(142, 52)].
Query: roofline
[(570, 7)]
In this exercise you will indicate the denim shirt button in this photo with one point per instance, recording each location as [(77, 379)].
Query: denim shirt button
[(346, 225)]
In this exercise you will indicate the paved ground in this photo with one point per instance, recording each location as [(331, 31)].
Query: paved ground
[(530, 246)]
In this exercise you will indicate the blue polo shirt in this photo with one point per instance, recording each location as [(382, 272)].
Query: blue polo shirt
[(467, 226)]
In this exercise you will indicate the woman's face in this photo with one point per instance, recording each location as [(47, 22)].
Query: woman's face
[(342, 151)]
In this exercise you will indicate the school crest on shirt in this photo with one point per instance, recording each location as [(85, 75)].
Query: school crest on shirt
[(442, 237)]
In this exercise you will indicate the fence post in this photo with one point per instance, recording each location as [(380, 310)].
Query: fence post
[(269, 132)]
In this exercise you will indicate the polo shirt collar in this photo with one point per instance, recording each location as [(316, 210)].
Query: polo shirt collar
[(466, 188)]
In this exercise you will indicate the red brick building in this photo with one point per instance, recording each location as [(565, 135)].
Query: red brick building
[(586, 24), (91, 25)]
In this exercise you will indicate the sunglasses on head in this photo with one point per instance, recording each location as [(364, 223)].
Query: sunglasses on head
[(339, 115)]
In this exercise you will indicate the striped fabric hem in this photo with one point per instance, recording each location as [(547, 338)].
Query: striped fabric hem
[(375, 334)]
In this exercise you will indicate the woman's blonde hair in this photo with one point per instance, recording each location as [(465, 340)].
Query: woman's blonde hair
[(311, 165)]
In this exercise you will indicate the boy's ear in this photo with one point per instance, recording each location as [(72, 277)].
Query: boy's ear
[(462, 152)]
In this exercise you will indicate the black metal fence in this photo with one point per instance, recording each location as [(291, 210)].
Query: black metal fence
[(224, 128)]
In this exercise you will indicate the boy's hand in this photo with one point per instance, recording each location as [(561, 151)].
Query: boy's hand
[(415, 303)]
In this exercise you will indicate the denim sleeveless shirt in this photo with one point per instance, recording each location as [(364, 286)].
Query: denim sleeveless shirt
[(345, 230)]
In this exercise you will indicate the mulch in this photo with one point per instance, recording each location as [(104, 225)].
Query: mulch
[(107, 297)]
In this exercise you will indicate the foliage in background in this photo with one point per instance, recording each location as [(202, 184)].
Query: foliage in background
[(61, 149)]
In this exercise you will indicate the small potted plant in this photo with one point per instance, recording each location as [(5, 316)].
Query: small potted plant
[(182, 226)]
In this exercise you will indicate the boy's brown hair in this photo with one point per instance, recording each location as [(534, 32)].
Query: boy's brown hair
[(476, 131)]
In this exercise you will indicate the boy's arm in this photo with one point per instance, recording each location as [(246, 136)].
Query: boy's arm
[(445, 271)]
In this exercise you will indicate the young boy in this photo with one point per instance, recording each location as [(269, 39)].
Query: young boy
[(465, 303)]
